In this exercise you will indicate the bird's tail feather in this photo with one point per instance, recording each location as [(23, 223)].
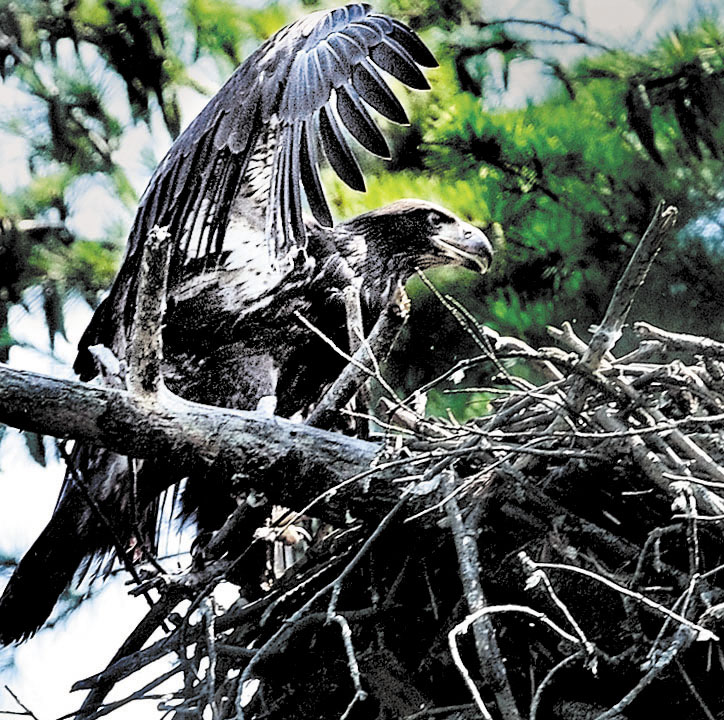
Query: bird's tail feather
[(94, 496), (43, 574)]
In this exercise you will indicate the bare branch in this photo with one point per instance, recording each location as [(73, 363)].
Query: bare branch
[(609, 331), (190, 434), (379, 342), (492, 666), (25, 710), (698, 632), (359, 694), (680, 341), (545, 25), (145, 350)]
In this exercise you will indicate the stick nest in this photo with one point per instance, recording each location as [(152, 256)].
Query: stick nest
[(557, 558)]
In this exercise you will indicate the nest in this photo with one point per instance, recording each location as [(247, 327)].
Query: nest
[(558, 558)]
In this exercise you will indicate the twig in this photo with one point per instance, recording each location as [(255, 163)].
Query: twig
[(134, 642), (359, 694), (692, 689), (682, 607), (648, 461), (300, 586), (141, 694), (609, 331), (26, 710), (403, 418), (475, 330), (459, 367), (682, 639), (127, 665), (690, 449), (465, 625), (209, 619), (578, 37), (566, 336), (364, 369), (535, 703), (381, 338), (448, 710), (492, 666), (465, 674), (537, 576), (701, 633), (288, 626)]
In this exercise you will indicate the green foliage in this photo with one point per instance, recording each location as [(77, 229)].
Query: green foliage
[(218, 25), (447, 14), (263, 22), (36, 249)]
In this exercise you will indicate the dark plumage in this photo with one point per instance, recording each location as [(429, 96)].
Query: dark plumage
[(264, 350), (243, 161), (244, 260)]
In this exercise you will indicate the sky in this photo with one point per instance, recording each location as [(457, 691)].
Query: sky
[(46, 666)]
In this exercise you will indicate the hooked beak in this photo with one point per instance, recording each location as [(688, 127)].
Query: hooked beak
[(471, 249)]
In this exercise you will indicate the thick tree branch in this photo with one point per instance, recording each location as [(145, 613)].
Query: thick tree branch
[(275, 453)]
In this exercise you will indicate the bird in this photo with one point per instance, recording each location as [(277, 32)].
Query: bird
[(246, 260)]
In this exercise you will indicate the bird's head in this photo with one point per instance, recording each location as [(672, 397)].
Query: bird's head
[(386, 246)]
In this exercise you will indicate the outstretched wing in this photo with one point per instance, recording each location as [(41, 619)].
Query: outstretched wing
[(261, 134), (259, 142)]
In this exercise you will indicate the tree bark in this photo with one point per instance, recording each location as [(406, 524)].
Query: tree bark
[(290, 463)]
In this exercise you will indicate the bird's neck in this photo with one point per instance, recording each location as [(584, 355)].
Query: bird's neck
[(353, 251)]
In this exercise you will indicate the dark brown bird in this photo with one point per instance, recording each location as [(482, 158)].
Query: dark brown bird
[(244, 259)]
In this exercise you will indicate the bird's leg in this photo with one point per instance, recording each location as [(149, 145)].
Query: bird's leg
[(355, 335), (353, 309), (400, 301)]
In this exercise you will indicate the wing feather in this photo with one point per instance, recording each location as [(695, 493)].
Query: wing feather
[(339, 48), (375, 92), (310, 177), (283, 232), (407, 39), (326, 59), (295, 201), (317, 88), (357, 120), (331, 65), (394, 59), (337, 151)]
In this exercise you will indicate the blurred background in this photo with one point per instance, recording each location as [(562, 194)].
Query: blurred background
[(555, 125)]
